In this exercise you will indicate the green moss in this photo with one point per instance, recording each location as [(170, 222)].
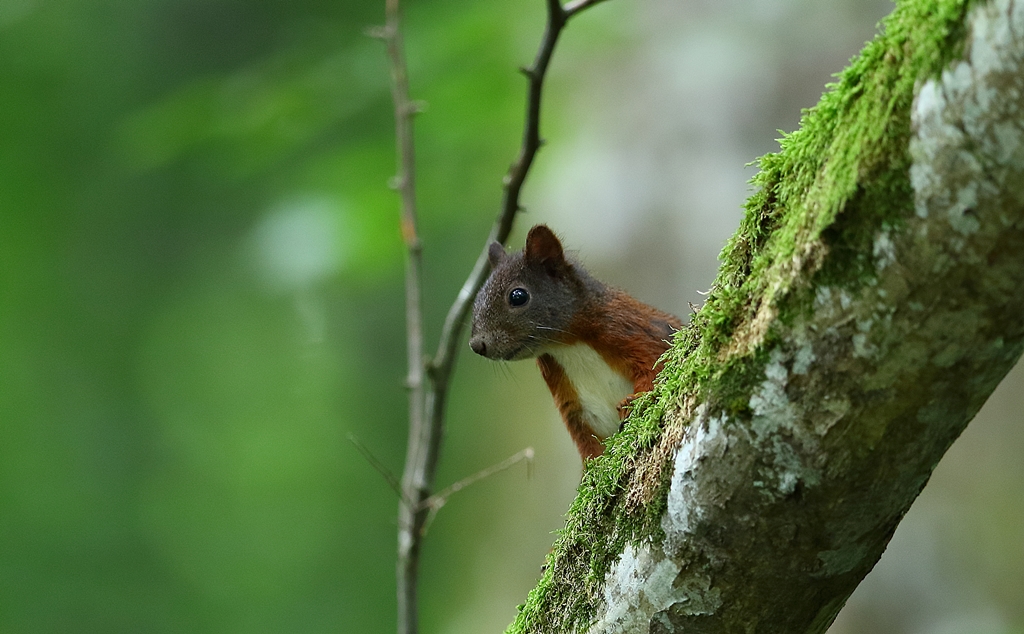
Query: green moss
[(819, 203)]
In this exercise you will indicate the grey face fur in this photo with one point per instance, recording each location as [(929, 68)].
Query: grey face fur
[(503, 330)]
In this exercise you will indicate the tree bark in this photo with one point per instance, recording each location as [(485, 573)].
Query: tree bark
[(869, 304)]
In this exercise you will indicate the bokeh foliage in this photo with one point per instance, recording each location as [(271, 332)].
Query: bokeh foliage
[(200, 297)]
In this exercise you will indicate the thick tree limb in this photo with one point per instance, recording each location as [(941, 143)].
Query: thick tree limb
[(871, 302)]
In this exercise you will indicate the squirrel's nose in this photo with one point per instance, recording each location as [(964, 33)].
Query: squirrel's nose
[(478, 345)]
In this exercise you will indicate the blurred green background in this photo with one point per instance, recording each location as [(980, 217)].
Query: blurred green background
[(201, 297)]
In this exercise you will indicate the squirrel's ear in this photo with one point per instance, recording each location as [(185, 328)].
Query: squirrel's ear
[(543, 247), (495, 254)]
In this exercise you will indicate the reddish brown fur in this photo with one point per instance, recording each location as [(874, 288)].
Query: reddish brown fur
[(626, 333), (569, 307), (568, 404)]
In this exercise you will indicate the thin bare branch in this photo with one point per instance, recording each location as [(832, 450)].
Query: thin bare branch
[(443, 361), (389, 477), (415, 486), (434, 503), (572, 8), (427, 404), (440, 498), (442, 365)]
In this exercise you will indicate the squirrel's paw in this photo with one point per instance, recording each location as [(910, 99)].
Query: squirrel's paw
[(626, 406)]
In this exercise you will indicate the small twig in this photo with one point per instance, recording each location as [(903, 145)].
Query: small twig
[(572, 8), (389, 477), (438, 500)]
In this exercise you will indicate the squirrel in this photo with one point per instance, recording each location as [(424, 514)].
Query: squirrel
[(597, 347)]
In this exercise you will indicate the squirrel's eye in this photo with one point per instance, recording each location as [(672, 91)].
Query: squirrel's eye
[(518, 297)]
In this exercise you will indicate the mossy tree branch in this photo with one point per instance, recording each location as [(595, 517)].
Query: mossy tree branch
[(868, 305)]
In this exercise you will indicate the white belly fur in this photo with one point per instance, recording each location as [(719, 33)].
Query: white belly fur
[(599, 387)]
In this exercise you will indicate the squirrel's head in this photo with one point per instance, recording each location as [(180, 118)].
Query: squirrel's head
[(526, 305)]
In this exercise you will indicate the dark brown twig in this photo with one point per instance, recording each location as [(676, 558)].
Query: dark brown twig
[(439, 499), (377, 465), (442, 364)]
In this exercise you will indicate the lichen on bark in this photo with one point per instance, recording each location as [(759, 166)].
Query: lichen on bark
[(871, 300)]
